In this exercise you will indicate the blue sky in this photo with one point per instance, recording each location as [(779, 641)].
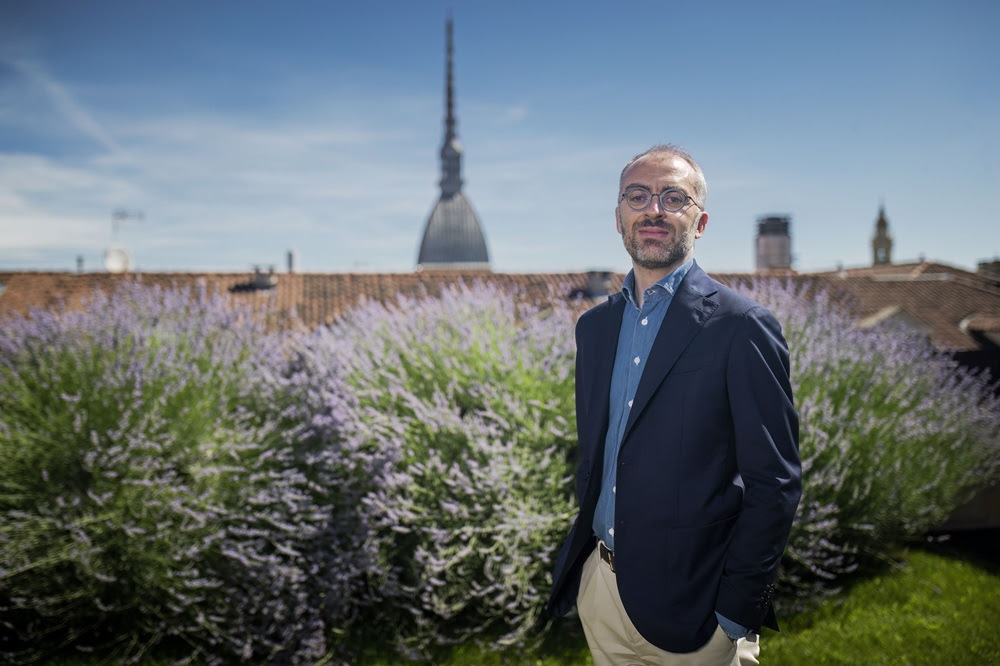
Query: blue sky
[(244, 129)]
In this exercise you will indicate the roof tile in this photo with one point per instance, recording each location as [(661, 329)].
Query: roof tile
[(953, 303)]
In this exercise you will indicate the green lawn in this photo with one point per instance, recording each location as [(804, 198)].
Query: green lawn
[(931, 609)]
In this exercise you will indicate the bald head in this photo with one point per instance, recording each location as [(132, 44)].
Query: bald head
[(668, 150)]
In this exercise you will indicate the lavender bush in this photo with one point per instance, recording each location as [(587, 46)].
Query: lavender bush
[(174, 474), (464, 403), (894, 437), (153, 493)]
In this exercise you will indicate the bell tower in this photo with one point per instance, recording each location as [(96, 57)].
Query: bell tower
[(881, 241)]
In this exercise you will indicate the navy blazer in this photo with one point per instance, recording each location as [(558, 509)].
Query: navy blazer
[(708, 473)]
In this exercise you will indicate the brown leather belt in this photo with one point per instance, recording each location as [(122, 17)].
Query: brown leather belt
[(606, 555)]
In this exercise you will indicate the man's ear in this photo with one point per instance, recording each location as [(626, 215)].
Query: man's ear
[(618, 222), (702, 223)]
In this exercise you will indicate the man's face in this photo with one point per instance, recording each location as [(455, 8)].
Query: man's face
[(654, 238)]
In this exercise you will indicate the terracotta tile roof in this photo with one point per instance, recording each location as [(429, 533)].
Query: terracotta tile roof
[(309, 299), (940, 296), (953, 305)]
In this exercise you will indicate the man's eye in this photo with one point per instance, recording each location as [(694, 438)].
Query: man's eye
[(638, 197), (674, 200)]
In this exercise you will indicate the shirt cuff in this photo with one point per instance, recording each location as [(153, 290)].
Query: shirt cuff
[(733, 630)]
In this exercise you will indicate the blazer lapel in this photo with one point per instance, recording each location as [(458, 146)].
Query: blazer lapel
[(690, 308), (606, 335)]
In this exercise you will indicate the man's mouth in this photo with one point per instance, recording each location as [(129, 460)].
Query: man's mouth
[(653, 230)]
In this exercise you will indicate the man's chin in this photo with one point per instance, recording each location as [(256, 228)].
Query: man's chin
[(652, 265), (657, 261), (648, 261)]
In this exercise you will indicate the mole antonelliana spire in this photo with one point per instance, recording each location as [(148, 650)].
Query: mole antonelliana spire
[(451, 149), (453, 237)]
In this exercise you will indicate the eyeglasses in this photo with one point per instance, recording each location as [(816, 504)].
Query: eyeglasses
[(671, 200)]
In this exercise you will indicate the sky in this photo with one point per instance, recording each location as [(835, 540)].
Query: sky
[(230, 132)]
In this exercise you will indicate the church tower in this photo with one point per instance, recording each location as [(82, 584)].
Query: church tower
[(453, 237), (881, 241)]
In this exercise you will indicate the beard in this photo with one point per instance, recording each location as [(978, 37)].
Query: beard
[(654, 253)]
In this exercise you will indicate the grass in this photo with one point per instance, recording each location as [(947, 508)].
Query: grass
[(928, 609)]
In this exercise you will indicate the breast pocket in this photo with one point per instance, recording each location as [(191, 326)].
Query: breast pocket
[(692, 363)]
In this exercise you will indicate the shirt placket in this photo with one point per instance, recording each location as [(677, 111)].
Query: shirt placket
[(641, 345)]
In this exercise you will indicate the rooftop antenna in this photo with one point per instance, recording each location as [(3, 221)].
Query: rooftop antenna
[(119, 215)]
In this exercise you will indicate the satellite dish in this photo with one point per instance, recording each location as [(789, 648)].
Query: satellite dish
[(116, 260)]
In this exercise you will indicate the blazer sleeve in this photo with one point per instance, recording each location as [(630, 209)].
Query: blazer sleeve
[(766, 438)]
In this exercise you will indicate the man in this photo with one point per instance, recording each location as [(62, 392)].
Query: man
[(688, 443)]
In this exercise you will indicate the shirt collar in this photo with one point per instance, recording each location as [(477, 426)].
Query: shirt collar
[(669, 282)]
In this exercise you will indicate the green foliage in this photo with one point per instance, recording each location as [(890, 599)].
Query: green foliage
[(894, 436), (144, 493), (470, 396), (175, 477), (926, 609), (104, 435)]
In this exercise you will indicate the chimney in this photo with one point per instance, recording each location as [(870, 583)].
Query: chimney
[(598, 286), (774, 242), (262, 280), (79, 263), (989, 268), (598, 283), (290, 258)]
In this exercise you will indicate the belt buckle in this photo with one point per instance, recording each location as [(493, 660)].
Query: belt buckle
[(606, 555)]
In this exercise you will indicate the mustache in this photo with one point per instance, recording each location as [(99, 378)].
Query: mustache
[(649, 223)]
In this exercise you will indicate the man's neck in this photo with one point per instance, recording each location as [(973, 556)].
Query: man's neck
[(647, 277)]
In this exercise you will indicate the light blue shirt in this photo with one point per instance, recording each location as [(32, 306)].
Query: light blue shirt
[(635, 340), (638, 331)]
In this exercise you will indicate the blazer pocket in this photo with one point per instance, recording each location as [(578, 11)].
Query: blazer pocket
[(697, 554), (690, 363)]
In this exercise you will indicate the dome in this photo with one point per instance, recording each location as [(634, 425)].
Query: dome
[(453, 237)]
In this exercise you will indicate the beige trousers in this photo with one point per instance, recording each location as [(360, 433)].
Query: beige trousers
[(614, 641)]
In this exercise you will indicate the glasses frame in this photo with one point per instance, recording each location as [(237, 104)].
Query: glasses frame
[(687, 199)]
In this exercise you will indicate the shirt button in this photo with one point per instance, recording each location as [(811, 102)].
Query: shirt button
[(645, 320), (629, 403), (636, 360), (614, 489), (611, 531)]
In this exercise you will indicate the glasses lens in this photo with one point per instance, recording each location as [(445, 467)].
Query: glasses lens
[(638, 198), (672, 200)]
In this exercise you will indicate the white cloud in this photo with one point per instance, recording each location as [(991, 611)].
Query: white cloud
[(64, 102), (47, 204)]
